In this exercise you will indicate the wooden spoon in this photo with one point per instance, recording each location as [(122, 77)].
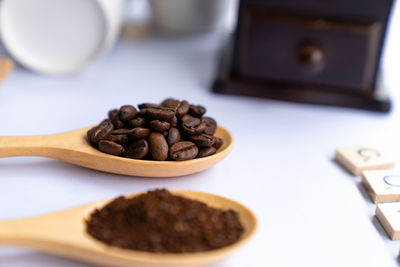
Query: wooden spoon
[(73, 147), (64, 234)]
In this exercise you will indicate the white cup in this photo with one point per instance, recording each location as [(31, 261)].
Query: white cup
[(59, 36), (190, 16)]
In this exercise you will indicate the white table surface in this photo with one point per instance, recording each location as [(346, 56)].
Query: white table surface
[(311, 212)]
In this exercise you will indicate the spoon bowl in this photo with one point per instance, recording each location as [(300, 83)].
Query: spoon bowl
[(64, 233), (73, 147)]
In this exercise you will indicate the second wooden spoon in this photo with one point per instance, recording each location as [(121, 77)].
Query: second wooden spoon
[(64, 233)]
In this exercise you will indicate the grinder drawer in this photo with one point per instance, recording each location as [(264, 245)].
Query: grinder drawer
[(309, 51)]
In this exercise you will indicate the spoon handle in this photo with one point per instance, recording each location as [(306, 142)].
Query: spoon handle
[(14, 233), (50, 233), (21, 146), (45, 145), (28, 233), (61, 233)]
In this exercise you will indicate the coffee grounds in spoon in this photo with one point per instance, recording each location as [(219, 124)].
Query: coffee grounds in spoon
[(158, 221)]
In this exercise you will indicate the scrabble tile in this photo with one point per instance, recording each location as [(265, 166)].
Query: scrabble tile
[(382, 185), (388, 215), (360, 158)]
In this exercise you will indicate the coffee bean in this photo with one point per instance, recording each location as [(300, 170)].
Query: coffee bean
[(142, 113), (211, 125), (127, 113), (174, 121), (118, 124), (170, 103), (203, 140), (192, 125), (111, 147), (174, 136), (159, 126), (91, 132), (147, 105), (197, 111), (139, 133), (121, 132), (138, 122), (137, 149), (218, 142), (183, 109), (160, 113), (206, 151), (158, 146), (102, 131), (184, 150), (119, 138), (113, 115), (180, 107)]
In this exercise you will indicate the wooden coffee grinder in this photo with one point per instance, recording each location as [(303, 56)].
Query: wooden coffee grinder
[(312, 51)]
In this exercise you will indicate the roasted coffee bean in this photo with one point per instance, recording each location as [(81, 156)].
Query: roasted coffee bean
[(174, 121), (201, 128), (118, 124), (197, 111), (119, 138), (184, 150), (113, 115), (139, 133), (121, 132), (127, 113), (141, 113), (102, 131), (160, 113), (203, 140), (137, 149), (170, 103), (158, 146), (192, 125), (111, 147), (218, 142), (174, 136), (147, 105), (206, 151), (159, 126), (90, 133), (182, 109), (211, 125), (138, 122)]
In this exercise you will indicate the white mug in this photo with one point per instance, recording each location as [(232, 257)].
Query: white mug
[(59, 36), (191, 16)]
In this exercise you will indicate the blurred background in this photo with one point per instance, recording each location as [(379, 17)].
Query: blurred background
[(303, 51), (63, 37)]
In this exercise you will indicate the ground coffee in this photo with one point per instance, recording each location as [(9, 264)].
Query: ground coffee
[(172, 130), (158, 221)]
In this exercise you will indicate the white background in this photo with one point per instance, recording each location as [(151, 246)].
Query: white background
[(311, 212)]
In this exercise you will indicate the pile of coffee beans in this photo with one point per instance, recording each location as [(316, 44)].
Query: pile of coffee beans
[(158, 221), (172, 130)]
